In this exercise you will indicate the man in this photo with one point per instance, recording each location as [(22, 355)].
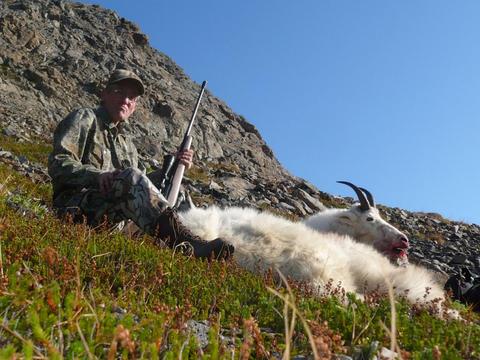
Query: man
[(96, 175)]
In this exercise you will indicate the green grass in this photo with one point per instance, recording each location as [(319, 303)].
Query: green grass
[(68, 291), (14, 181), (36, 152)]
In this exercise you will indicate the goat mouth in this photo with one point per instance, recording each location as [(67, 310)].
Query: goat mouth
[(398, 252), (393, 251)]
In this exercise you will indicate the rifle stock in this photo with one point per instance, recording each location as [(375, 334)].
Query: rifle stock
[(176, 181)]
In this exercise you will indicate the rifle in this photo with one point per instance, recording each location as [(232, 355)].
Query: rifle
[(172, 170)]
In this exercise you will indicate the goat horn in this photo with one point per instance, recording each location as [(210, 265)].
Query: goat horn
[(364, 205), (370, 198)]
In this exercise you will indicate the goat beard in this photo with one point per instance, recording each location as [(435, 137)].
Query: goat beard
[(402, 260), (398, 257)]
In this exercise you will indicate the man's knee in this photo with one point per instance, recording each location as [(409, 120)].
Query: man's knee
[(136, 196), (126, 179)]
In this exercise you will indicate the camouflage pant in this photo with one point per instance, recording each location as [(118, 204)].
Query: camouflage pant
[(133, 197)]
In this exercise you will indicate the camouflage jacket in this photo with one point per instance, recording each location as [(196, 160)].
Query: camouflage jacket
[(85, 144)]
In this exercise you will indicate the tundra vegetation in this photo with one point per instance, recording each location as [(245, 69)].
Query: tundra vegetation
[(68, 291)]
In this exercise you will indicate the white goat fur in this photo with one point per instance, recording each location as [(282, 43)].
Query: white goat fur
[(365, 226), (264, 241), (327, 220)]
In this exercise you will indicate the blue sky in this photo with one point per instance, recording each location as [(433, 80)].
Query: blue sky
[(382, 93)]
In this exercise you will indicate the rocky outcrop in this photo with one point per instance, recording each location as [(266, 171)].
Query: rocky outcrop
[(56, 54), (54, 57)]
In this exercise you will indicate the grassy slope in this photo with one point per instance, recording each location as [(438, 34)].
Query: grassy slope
[(70, 291)]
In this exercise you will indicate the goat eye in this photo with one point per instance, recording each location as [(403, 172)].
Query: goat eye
[(369, 218)]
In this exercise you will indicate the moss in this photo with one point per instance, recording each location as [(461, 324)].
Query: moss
[(435, 237), (198, 174), (332, 202), (224, 167), (7, 73), (202, 199)]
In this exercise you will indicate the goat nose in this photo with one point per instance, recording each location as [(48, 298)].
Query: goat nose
[(404, 240)]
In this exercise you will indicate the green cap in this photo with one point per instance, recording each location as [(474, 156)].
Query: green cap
[(123, 74)]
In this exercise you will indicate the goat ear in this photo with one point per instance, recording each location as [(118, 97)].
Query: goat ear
[(345, 219)]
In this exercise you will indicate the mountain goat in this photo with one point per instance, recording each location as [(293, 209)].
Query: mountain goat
[(264, 241), (364, 224)]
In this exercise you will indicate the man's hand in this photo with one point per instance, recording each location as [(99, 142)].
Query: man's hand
[(105, 181), (185, 157)]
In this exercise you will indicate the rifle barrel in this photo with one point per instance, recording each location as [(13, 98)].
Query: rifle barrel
[(194, 114)]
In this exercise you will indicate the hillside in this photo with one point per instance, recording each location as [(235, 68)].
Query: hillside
[(54, 57), (56, 54)]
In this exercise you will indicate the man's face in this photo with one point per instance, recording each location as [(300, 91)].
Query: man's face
[(120, 100)]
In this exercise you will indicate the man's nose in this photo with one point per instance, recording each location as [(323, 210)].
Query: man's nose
[(126, 100)]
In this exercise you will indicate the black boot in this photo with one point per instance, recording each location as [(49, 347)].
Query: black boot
[(174, 233)]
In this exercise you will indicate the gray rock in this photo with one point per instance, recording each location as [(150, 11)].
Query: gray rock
[(417, 254), (200, 330), (6, 154), (296, 205), (10, 131), (313, 203), (458, 259), (213, 185), (22, 159), (285, 206)]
